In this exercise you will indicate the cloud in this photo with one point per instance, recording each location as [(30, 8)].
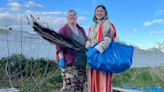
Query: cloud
[(11, 0), (159, 12), (157, 32), (81, 18), (4, 15), (84, 12), (93, 1), (52, 19), (155, 21), (2, 9), (53, 13), (15, 6), (33, 5), (11, 16), (8, 18), (86, 28), (55, 21), (45, 14), (135, 30)]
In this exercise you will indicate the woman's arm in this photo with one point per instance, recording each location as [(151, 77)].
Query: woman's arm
[(108, 32)]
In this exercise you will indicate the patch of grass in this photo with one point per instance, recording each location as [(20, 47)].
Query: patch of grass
[(140, 77)]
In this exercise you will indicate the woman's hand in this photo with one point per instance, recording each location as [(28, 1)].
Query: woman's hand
[(103, 45), (88, 44)]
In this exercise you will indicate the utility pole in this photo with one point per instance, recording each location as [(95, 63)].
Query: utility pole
[(21, 27), (8, 53)]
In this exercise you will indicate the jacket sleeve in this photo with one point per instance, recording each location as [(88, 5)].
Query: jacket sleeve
[(108, 32), (58, 48)]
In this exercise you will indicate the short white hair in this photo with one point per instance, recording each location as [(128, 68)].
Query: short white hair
[(71, 11)]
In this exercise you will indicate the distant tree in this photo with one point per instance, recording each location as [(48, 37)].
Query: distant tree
[(159, 47), (135, 46)]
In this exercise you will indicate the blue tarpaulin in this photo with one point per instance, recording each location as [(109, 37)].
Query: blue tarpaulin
[(145, 89)]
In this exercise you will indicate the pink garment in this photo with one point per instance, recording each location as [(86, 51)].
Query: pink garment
[(99, 81)]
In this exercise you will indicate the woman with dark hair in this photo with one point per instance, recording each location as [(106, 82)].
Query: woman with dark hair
[(100, 36), (72, 63)]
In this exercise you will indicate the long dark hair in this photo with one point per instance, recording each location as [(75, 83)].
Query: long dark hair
[(106, 13)]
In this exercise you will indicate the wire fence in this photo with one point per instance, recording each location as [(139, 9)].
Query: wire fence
[(31, 45)]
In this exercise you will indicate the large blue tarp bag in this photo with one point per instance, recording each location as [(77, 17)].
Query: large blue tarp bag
[(116, 58)]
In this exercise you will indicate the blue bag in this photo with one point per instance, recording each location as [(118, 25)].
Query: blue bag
[(116, 58)]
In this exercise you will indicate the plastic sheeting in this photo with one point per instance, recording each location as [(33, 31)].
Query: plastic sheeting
[(144, 89)]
